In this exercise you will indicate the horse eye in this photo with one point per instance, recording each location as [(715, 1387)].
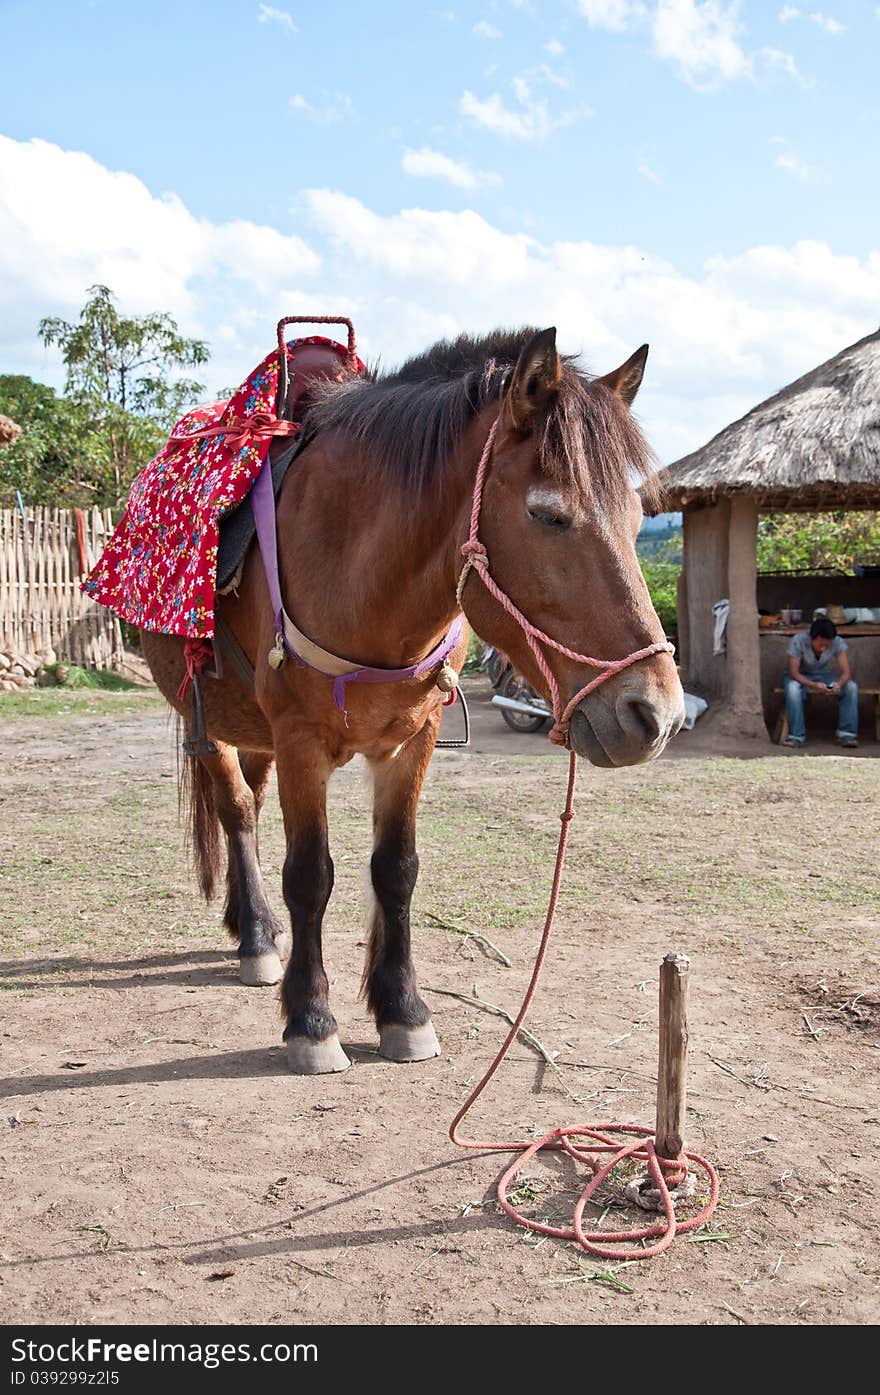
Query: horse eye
[(549, 517)]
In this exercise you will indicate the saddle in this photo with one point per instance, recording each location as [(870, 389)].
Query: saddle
[(159, 569), (308, 361)]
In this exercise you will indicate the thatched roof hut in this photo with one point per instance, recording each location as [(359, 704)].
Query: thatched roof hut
[(9, 430), (814, 445)]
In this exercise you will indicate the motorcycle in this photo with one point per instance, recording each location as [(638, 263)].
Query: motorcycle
[(521, 707)]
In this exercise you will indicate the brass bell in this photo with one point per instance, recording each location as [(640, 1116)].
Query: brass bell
[(276, 653), (447, 678)]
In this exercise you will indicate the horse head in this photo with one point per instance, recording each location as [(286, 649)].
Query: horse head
[(558, 521)]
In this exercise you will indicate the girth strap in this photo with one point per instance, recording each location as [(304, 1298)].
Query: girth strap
[(225, 640)]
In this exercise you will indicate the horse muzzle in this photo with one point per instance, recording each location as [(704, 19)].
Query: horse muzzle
[(628, 726)]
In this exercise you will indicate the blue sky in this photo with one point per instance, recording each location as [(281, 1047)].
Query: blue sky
[(696, 173)]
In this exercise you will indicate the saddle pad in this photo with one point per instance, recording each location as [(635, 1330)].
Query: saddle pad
[(159, 568), (238, 527)]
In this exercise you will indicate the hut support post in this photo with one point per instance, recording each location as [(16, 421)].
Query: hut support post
[(705, 538), (684, 618), (745, 715)]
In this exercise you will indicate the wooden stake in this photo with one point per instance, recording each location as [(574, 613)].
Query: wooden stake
[(672, 1070)]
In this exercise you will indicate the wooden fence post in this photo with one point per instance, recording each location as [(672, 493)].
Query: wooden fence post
[(672, 1069), (41, 603)]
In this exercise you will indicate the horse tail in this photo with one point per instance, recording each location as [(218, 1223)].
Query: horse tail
[(196, 804)]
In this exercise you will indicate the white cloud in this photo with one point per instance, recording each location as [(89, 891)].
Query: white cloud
[(722, 337), (266, 15), (774, 60), (822, 21), (416, 246), (732, 334), (531, 123), (826, 22), (788, 160), (550, 75), (647, 173), (486, 31), (611, 14), (531, 119), (67, 222), (702, 38), (335, 107), (433, 164), (555, 47), (793, 165)]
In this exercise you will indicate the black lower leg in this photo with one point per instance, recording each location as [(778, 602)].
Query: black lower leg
[(389, 977), (308, 882)]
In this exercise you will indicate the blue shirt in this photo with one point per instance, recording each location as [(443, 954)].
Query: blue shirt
[(824, 667)]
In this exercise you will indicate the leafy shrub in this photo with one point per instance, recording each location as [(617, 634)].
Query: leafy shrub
[(662, 580), (793, 540)]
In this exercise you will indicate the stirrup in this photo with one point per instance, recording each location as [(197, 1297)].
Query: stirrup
[(451, 744)]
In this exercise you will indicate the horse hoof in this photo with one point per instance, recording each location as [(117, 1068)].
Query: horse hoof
[(260, 970), (398, 1043), (305, 1056)]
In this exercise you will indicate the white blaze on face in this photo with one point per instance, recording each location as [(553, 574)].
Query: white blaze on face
[(550, 499)]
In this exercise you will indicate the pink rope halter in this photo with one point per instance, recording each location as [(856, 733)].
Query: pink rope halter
[(476, 557)]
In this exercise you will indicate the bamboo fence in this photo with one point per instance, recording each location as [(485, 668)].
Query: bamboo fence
[(42, 563)]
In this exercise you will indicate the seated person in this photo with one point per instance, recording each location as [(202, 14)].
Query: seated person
[(818, 663)]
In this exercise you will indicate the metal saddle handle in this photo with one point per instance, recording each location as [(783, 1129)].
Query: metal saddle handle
[(283, 377)]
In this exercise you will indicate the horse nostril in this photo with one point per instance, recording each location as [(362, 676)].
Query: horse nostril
[(640, 717)]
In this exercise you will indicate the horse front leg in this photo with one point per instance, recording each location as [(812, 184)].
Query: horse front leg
[(310, 1031), (406, 1032)]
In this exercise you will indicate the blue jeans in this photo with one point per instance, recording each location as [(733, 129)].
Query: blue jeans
[(847, 713)]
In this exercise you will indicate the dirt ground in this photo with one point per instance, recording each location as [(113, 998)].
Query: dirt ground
[(153, 1140)]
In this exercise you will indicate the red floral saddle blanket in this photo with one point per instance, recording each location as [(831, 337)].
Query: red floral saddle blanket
[(159, 569)]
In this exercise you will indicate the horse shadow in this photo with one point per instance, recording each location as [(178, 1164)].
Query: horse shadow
[(195, 968), (254, 1063)]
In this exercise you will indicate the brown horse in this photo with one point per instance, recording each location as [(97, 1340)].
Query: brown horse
[(372, 516)]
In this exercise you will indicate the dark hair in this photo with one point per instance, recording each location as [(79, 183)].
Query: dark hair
[(413, 420), (823, 628)]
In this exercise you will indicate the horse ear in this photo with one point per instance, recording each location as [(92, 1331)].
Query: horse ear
[(536, 377), (627, 379)]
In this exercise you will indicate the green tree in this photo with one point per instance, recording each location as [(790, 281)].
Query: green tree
[(58, 458), (662, 581), (787, 541), (121, 377)]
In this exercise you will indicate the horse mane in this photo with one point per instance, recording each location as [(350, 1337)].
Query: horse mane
[(411, 421)]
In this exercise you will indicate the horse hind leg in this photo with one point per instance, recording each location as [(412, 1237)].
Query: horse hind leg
[(406, 1032), (226, 792), (256, 767)]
